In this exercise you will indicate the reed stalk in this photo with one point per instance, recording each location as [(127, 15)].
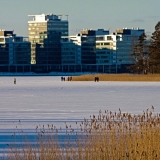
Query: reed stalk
[(108, 136)]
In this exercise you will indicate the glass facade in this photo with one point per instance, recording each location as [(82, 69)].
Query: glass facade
[(14, 49), (68, 52), (22, 53), (4, 53), (88, 51), (49, 50)]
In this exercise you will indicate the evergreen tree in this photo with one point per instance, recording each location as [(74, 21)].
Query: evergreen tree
[(140, 55), (154, 50)]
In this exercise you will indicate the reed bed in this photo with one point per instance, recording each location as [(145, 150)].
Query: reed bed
[(119, 77), (107, 136)]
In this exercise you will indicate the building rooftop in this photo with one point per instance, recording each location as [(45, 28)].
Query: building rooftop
[(47, 17), (6, 33), (126, 31)]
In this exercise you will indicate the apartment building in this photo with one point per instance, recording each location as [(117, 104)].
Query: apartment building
[(14, 50), (44, 32), (82, 47), (126, 39), (99, 51), (50, 49), (89, 50), (106, 53)]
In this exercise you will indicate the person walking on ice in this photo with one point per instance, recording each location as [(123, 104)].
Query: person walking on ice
[(14, 80)]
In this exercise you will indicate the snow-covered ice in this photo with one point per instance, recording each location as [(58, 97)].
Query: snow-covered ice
[(49, 98), (43, 100)]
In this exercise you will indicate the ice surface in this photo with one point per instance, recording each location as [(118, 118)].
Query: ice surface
[(39, 99), (47, 100)]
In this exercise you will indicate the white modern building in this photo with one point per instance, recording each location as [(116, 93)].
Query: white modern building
[(47, 29), (106, 52)]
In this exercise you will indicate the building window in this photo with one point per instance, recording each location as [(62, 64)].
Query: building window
[(1, 39), (99, 38), (107, 44), (32, 33), (109, 38), (31, 36)]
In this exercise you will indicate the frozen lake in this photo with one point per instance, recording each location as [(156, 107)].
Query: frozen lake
[(43, 100), (49, 98)]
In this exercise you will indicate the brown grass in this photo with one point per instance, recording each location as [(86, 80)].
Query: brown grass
[(109, 136), (118, 77)]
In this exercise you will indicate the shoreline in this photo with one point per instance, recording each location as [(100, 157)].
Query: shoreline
[(119, 77)]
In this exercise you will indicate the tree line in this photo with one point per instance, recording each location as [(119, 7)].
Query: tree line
[(146, 53)]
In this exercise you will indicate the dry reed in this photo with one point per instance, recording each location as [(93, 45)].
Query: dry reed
[(118, 77), (108, 136)]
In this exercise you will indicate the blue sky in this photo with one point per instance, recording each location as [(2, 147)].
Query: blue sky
[(107, 14)]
